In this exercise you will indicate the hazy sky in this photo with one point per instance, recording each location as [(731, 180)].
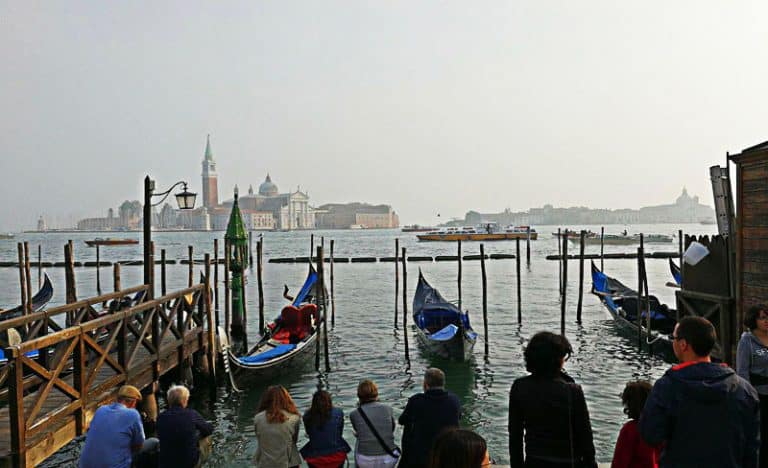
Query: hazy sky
[(430, 106)]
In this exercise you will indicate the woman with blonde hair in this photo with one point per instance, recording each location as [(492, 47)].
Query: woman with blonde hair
[(374, 427), (277, 424)]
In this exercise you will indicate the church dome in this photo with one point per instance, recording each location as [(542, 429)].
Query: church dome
[(268, 188)]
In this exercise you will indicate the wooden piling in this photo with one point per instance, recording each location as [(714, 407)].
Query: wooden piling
[(211, 355), (527, 246), (581, 275), (519, 282), (458, 257), (23, 279), (250, 248), (227, 318), (639, 299), (69, 273), (311, 247), (333, 295), (564, 282), (602, 255), (28, 275), (485, 298), (116, 276), (397, 277), (191, 278), (405, 304), (216, 281), (323, 301), (559, 264), (680, 251), (39, 266), (98, 271), (163, 283), (259, 275)]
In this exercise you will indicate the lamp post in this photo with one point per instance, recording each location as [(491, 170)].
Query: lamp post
[(185, 200)]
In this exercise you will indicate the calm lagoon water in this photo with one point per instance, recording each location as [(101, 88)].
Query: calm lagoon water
[(365, 344)]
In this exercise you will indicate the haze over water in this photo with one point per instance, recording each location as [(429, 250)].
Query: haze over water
[(364, 343)]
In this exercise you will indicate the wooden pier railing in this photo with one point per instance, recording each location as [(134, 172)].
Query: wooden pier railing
[(51, 399)]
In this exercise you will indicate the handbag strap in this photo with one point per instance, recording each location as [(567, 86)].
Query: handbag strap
[(375, 433)]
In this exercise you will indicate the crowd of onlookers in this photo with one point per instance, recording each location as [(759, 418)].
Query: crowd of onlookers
[(700, 413)]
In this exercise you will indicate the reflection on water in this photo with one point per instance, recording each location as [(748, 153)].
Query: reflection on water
[(364, 343)]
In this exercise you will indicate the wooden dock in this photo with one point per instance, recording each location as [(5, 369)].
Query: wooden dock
[(53, 382)]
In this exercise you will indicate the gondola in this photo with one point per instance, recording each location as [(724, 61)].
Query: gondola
[(622, 304), (39, 300), (676, 273), (289, 341), (441, 327)]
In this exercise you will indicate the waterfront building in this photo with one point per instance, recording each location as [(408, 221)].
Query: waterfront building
[(41, 225), (362, 215)]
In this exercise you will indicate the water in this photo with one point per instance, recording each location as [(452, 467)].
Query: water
[(364, 343)]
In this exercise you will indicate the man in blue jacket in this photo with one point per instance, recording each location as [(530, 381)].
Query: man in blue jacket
[(703, 413), (425, 416)]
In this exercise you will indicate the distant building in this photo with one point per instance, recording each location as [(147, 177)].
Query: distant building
[(41, 225), (343, 216), (210, 178)]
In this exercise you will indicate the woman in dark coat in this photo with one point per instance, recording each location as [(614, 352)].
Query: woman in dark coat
[(549, 410), (324, 425)]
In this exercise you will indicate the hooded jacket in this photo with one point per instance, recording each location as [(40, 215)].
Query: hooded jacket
[(705, 414), (424, 417)]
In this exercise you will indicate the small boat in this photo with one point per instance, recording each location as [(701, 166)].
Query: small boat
[(417, 228), (39, 300), (441, 327), (621, 302), (654, 238), (483, 232), (520, 232), (290, 339), (110, 241), (6, 235)]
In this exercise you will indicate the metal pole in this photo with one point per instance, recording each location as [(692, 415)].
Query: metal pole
[(148, 187)]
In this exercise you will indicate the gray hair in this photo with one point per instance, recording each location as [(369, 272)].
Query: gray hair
[(177, 395), (434, 378)]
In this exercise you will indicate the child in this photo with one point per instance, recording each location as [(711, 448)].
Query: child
[(631, 450)]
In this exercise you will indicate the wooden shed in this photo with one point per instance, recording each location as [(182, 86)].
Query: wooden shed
[(751, 227)]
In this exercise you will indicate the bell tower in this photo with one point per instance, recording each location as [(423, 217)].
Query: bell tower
[(210, 179)]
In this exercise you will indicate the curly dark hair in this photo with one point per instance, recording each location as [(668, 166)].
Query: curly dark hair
[(753, 313), (320, 411), (544, 353), (633, 397), (457, 448)]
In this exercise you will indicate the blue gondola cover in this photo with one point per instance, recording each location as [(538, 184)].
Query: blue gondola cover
[(267, 355)]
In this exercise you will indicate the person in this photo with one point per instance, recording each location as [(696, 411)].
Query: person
[(184, 434), (631, 450), (116, 436), (425, 416), (277, 429), (324, 425), (752, 365), (373, 450), (703, 413), (459, 448), (549, 408)]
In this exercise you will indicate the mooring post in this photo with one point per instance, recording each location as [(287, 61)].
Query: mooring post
[(311, 247), (582, 234), (560, 263), (405, 304), (458, 257), (259, 279), (191, 279), (163, 284), (397, 277), (23, 279), (28, 275), (639, 309), (485, 298), (680, 254), (564, 283), (152, 269), (602, 256), (519, 283), (216, 281), (527, 246), (324, 302), (98, 271), (69, 274), (333, 296), (250, 248), (227, 318), (209, 316), (39, 266), (116, 277)]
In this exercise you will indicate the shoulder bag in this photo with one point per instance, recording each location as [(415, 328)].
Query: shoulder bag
[(392, 452)]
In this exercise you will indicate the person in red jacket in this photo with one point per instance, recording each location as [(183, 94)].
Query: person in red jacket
[(631, 450)]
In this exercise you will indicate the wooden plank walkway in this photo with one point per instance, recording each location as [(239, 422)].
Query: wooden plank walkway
[(51, 398)]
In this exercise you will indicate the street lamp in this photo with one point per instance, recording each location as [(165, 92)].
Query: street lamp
[(185, 200)]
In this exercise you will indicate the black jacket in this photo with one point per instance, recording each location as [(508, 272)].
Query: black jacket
[(554, 415), (424, 416), (179, 430), (705, 414)]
